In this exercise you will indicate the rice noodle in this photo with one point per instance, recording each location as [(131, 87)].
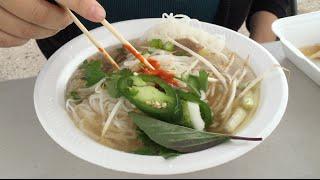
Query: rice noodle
[(71, 110), (123, 125), (101, 104), (212, 80), (232, 58), (181, 26), (94, 101), (231, 98), (234, 76), (111, 116), (84, 111), (92, 88), (84, 129), (215, 124), (228, 77), (193, 65), (244, 73), (125, 104), (219, 100), (213, 90), (215, 103)]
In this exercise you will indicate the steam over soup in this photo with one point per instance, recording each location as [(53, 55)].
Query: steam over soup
[(198, 96)]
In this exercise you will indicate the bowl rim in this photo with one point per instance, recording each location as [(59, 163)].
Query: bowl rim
[(235, 154)]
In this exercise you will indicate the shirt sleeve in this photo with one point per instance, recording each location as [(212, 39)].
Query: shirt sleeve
[(276, 7)]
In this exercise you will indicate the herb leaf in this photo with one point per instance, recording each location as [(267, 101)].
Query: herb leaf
[(147, 151), (156, 43), (93, 72), (125, 72), (153, 149), (168, 46), (74, 95), (203, 80), (194, 85), (168, 154), (181, 53), (111, 86), (178, 138), (197, 83), (112, 82)]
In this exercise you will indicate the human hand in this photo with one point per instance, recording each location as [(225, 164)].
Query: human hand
[(22, 20)]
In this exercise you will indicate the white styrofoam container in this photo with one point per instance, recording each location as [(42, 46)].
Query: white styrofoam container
[(296, 32)]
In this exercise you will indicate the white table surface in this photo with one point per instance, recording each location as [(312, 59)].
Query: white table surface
[(292, 151)]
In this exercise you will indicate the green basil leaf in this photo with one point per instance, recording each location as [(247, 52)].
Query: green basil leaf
[(194, 85), (168, 154), (151, 148), (203, 80), (197, 83), (206, 113), (150, 151), (178, 138), (147, 151)]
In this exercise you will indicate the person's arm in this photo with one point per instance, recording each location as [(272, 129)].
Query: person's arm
[(22, 20), (262, 14), (260, 26)]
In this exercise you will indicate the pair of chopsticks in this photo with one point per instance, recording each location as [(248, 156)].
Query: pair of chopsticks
[(126, 44)]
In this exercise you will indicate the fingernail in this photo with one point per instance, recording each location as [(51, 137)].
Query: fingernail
[(97, 12)]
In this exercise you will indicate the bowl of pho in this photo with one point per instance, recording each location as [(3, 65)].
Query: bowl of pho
[(211, 96)]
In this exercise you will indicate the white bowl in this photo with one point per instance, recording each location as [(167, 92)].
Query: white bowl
[(50, 105), (296, 32)]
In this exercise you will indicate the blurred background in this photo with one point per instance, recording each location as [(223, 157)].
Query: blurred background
[(27, 60)]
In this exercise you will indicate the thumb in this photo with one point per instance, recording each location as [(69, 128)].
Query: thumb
[(89, 9)]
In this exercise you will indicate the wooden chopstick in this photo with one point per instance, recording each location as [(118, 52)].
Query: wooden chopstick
[(126, 44), (91, 38)]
